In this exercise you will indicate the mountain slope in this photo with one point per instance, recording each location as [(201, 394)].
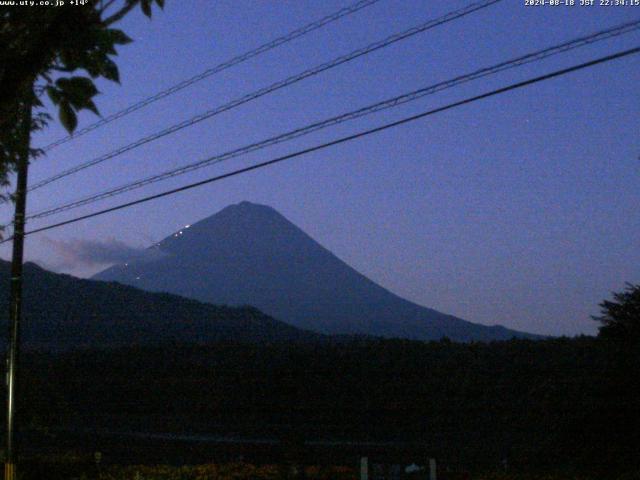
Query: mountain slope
[(249, 254), (61, 311)]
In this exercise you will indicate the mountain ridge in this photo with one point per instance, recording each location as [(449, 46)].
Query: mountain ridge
[(251, 254), (64, 312)]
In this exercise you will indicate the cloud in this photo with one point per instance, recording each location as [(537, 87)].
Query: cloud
[(87, 253)]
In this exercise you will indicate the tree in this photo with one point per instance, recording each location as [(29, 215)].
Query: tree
[(57, 51), (620, 319)]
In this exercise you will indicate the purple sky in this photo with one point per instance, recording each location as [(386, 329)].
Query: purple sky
[(520, 210)]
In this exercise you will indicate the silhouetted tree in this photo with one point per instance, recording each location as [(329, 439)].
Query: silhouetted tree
[(40, 48), (620, 317)]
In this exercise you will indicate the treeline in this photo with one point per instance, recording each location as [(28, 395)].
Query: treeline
[(568, 403)]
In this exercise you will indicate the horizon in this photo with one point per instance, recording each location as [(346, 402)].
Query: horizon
[(93, 255)]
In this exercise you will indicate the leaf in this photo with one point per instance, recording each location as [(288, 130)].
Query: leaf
[(37, 102), (78, 86), (160, 3), (77, 91), (146, 7), (110, 71), (68, 117), (92, 62), (105, 41), (118, 37), (68, 60), (54, 95), (92, 106)]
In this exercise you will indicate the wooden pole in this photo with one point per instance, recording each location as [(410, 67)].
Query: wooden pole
[(15, 312)]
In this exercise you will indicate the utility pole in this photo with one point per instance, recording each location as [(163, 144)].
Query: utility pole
[(15, 312)]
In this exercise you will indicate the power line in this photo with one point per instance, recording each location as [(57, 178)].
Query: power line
[(376, 107), (273, 87), (348, 138), (343, 12)]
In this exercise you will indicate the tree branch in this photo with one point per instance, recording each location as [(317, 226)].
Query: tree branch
[(104, 7)]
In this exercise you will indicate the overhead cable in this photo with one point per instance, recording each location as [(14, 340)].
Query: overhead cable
[(272, 88), (376, 107), (299, 32), (341, 140)]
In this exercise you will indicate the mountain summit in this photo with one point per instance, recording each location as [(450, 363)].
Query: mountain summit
[(250, 254)]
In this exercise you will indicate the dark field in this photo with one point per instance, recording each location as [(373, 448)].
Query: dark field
[(554, 405)]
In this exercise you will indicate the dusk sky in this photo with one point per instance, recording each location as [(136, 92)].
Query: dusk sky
[(520, 210)]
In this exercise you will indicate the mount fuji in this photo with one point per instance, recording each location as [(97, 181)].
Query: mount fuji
[(249, 254)]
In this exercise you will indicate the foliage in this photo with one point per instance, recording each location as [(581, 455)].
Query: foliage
[(58, 51), (620, 319), (551, 476), (545, 405), (243, 470), (232, 471)]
